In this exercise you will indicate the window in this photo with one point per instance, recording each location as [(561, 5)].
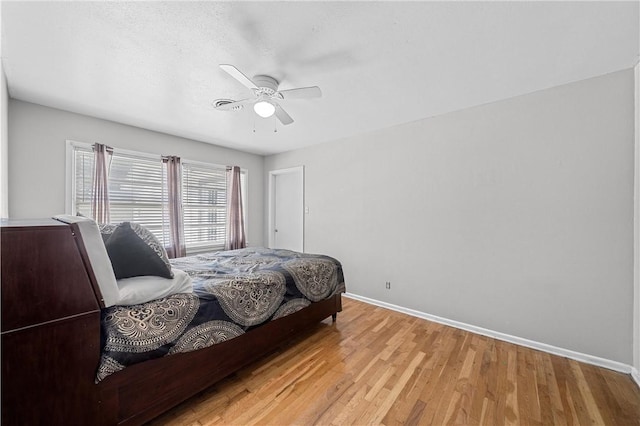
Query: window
[(82, 180), (138, 193), (204, 205), (137, 190)]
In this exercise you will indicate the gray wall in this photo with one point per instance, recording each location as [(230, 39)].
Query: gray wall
[(516, 216), (37, 137)]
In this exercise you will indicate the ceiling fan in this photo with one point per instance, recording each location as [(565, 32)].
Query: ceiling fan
[(265, 95)]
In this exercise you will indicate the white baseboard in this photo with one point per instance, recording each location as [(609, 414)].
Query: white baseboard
[(567, 353), (635, 375)]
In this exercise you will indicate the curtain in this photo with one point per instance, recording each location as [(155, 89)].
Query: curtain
[(176, 247), (100, 193), (235, 219)]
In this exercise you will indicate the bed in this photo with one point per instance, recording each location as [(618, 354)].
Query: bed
[(118, 372), (233, 292)]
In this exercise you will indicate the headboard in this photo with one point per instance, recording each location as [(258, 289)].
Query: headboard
[(95, 258), (50, 326)]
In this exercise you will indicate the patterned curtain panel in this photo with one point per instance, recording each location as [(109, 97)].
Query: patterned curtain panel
[(176, 246), (100, 193), (235, 220)]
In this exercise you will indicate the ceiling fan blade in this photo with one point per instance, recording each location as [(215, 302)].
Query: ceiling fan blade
[(233, 105), (302, 92), (282, 114), (235, 73)]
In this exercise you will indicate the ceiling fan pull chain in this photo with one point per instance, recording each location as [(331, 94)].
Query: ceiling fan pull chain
[(275, 125)]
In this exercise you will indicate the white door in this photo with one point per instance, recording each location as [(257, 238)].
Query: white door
[(286, 228)]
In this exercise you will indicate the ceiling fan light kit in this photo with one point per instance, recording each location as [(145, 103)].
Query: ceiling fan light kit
[(264, 109), (266, 94)]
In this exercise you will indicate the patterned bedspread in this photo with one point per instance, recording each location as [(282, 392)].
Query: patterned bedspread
[(234, 291)]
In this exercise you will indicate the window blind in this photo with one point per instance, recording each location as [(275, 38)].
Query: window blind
[(204, 205), (83, 180), (137, 193)]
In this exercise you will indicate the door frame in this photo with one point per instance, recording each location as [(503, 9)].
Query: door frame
[(272, 205)]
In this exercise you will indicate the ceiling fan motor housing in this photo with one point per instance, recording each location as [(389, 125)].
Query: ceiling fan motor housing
[(266, 85)]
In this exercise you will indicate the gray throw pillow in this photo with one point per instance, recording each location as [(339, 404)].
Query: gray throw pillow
[(131, 256), (106, 230)]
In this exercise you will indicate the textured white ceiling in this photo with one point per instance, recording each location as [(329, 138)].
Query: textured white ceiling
[(379, 64)]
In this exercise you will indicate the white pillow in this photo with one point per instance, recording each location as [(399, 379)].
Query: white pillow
[(143, 289)]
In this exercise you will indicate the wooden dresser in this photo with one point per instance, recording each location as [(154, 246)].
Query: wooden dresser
[(50, 320)]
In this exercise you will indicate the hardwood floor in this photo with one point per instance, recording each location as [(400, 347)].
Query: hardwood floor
[(375, 366)]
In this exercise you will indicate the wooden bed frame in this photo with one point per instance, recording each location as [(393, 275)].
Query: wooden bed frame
[(51, 339)]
